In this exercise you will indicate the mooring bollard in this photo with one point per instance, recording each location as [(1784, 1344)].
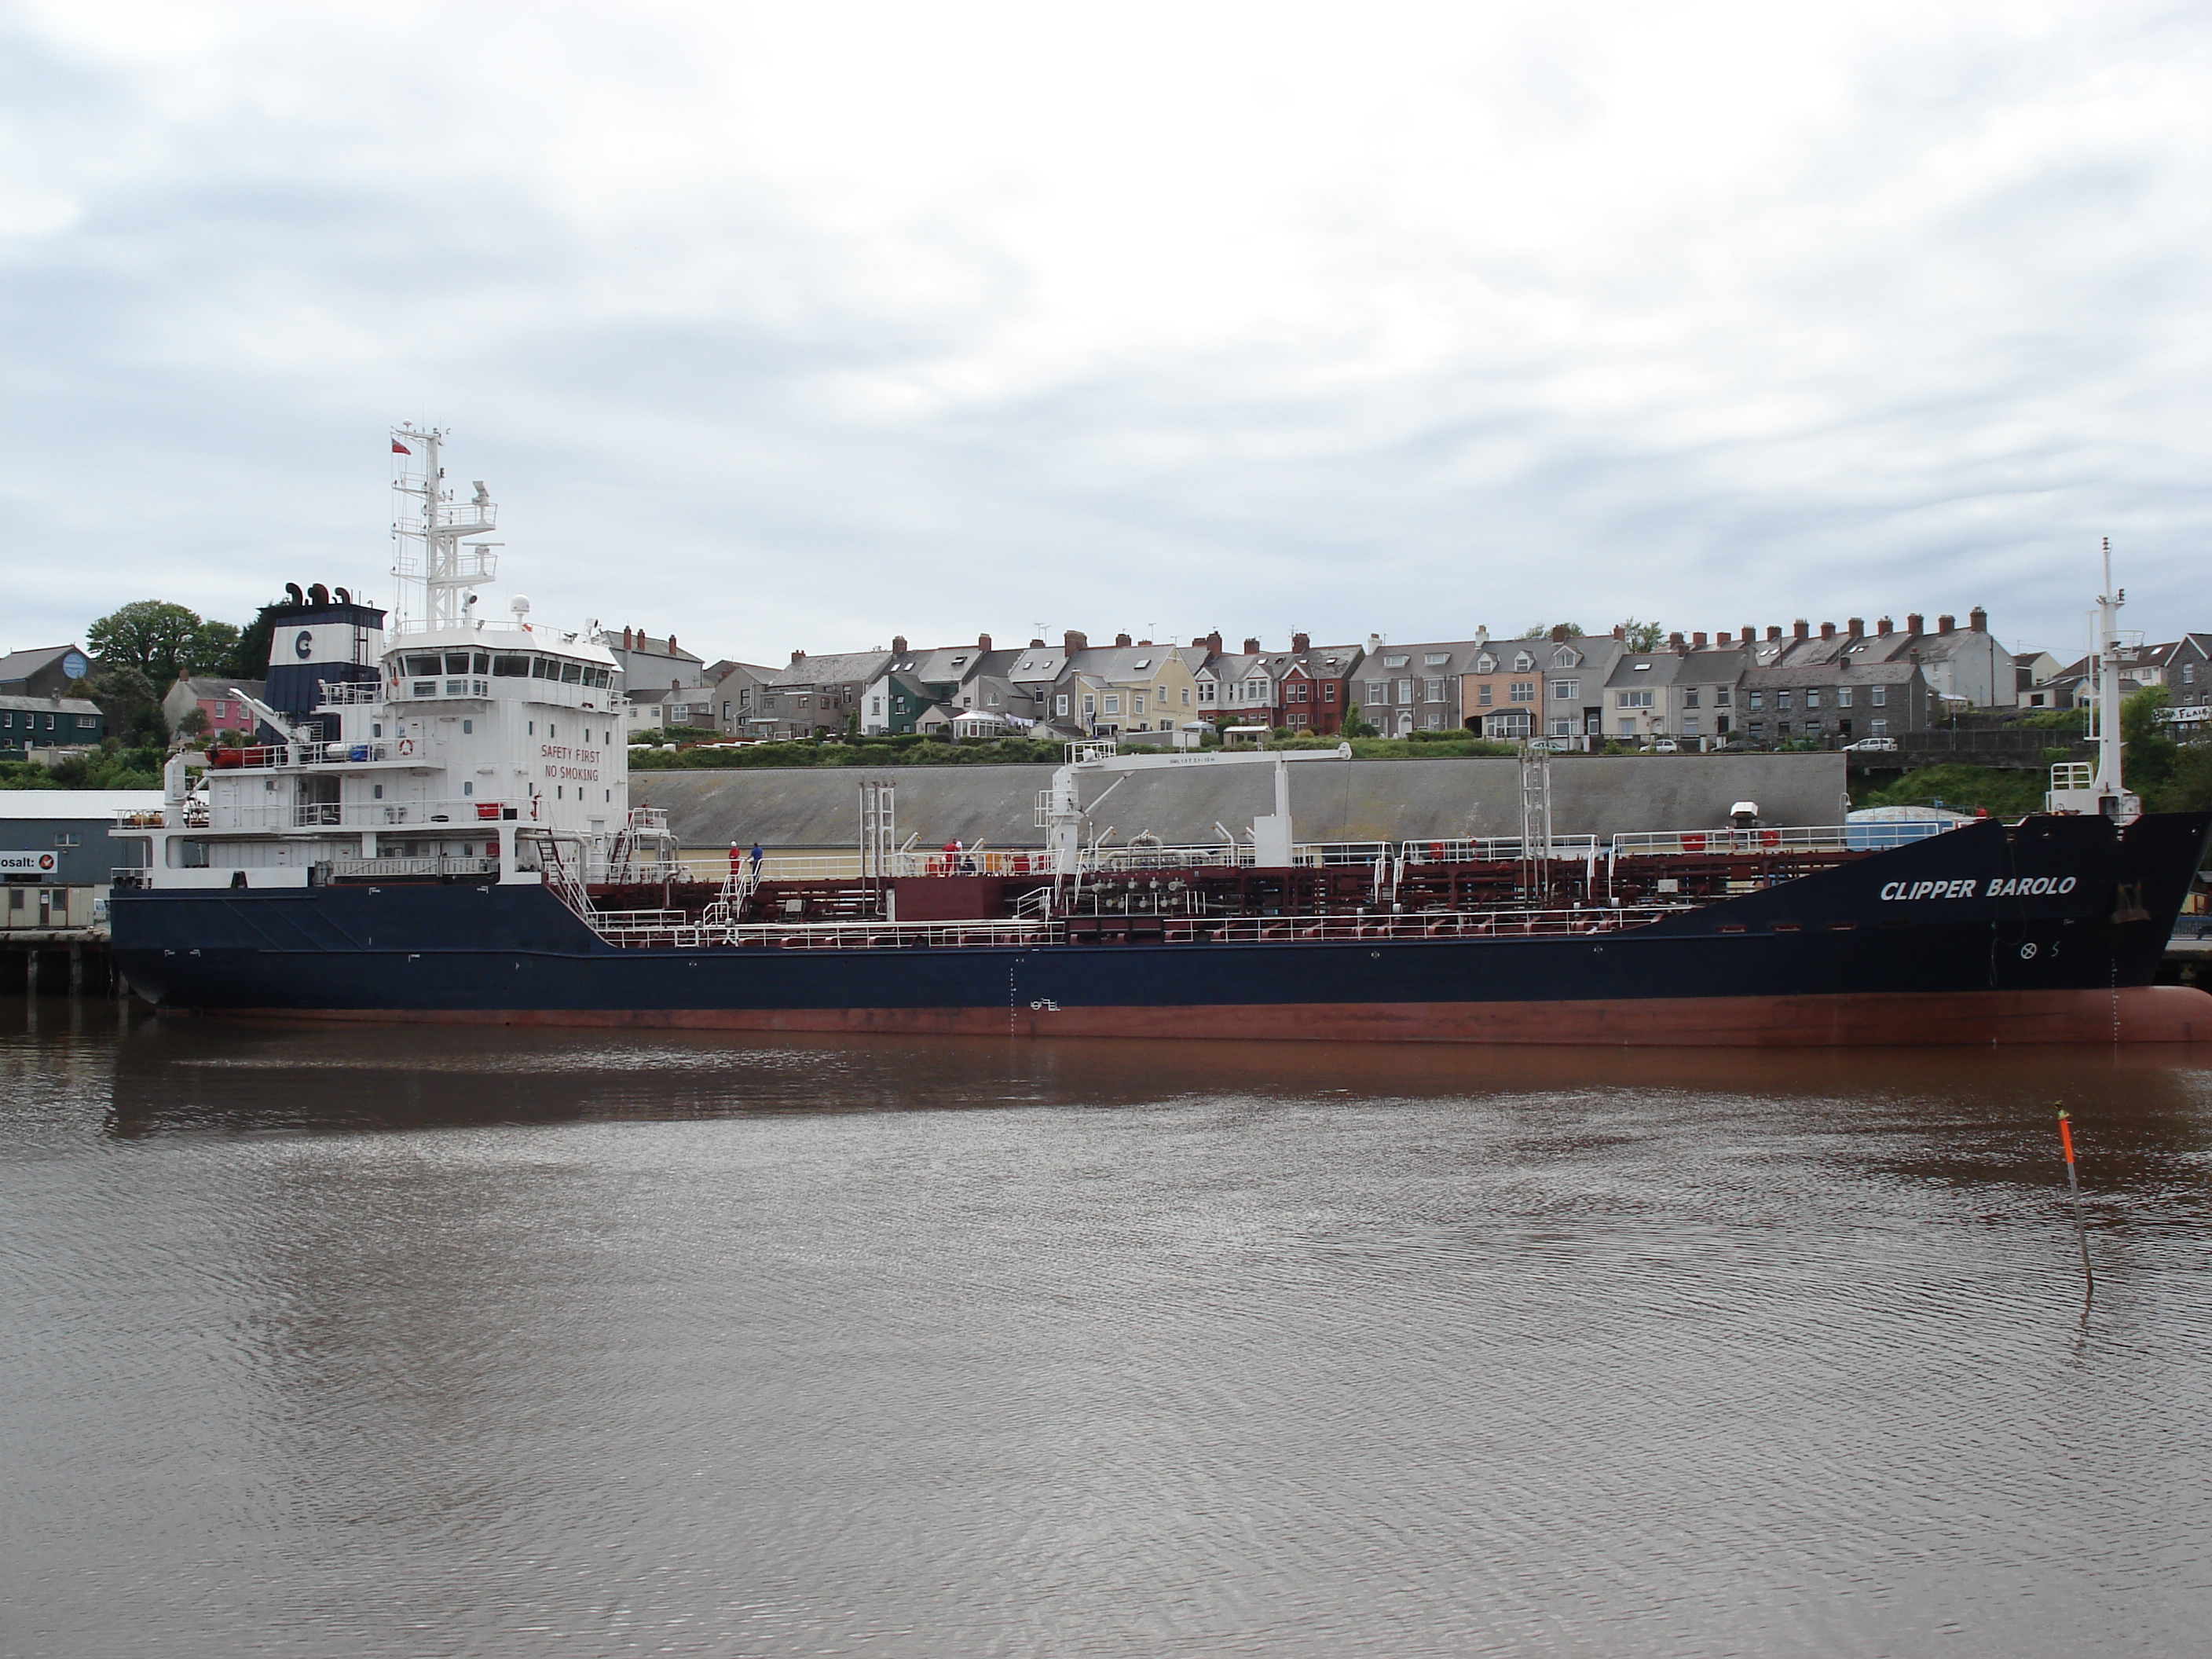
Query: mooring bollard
[(2073, 1192)]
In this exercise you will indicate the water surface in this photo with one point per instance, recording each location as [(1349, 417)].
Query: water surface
[(419, 1341)]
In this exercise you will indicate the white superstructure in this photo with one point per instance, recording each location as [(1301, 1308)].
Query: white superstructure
[(485, 750)]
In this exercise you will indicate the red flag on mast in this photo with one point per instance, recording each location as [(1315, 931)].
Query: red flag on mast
[(398, 448)]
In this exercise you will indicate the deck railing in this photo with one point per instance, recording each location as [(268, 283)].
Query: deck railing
[(671, 929)]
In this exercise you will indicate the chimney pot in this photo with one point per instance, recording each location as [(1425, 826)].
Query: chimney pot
[(1123, 641), (1559, 632), (1251, 647), (1945, 624), (1073, 640), (1213, 641), (1885, 627), (672, 645), (982, 642), (799, 656), (1827, 631), (1857, 625), (1978, 620), (1620, 632), (1772, 632), (1036, 644), (1301, 642), (1802, 628), (1913, 622), (1698, 641), (626, 639), (1675, 643), (1722, 639), (898, 644)]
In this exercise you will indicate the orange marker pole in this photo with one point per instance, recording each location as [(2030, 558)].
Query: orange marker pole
[(2073, 1192)]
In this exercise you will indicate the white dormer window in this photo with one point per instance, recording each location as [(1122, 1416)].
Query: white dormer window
[(1436, 658), (1485, 664), (1563, 658), (1523, 663), (1396, 662)]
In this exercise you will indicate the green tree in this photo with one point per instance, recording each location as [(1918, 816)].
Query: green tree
[(1574, 629), (126, 696), (249, 653), (2148, 753), (151, 635), (1641, 635), (210, 648), (1355, 727)]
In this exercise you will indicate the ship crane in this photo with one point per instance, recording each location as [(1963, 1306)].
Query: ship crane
[(1059, 810)]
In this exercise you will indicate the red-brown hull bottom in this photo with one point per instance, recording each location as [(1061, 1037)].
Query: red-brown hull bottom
[(2159, 1013)]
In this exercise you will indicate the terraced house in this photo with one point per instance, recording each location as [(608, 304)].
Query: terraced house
[(1408, 688)]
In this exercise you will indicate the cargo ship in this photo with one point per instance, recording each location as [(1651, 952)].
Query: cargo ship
[(436, 827)]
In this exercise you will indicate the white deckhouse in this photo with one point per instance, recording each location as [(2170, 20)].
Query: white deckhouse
[(483, 750)]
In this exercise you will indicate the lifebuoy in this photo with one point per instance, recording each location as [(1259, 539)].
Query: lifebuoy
[(406, 745)]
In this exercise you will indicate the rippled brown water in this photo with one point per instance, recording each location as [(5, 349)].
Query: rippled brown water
[(464, 1342)]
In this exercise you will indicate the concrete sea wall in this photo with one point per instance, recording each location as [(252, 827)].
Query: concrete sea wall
[(816, 809)]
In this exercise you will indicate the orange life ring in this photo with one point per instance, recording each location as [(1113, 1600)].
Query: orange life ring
[(406, 746)]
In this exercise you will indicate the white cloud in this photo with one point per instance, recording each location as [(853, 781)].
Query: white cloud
[(807, 326)]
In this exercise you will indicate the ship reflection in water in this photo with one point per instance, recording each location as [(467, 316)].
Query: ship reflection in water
[(423, 1341)]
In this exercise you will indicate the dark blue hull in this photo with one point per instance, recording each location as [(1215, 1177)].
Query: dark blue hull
[(2051, 930)]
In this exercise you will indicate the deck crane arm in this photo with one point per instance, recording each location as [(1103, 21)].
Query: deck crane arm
[(1059, 809)]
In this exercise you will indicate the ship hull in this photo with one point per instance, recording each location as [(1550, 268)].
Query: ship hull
[(2047, 933)]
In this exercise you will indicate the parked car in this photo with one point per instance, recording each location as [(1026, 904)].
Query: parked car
[(1553, 745), (1874, 745), (1666, 746)]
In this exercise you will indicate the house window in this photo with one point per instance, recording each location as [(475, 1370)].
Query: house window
[(1566, 690), (1090, 704), (1878, 728), (1722, 695), (1433, 718), (1757, 700), (1328, 691), (1485, 664), (1436, 660), (1689, 725), (1877, 696), (1782, 699), (1627, 728), (1396, 662), (1378, 693), (1295, 692), (1524, 690), (1689, 696), (1204, 691), (1136, 703), (1405, 690), (1563, 728), (1432, 691), (1482, 695), (1523, 663), (1514, 724), (1812, 696), (1631, 699), (1060, 704)]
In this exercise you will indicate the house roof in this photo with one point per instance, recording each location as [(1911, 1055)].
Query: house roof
[(1829, 673), (22, 665), (218, 688), (645, 645), (1122, 662), (849, 667), (50, 705)]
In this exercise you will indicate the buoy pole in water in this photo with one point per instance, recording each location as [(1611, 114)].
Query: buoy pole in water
[(2073, 1192)]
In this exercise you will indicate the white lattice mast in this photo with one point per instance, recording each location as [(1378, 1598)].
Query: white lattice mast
[(431, 528)]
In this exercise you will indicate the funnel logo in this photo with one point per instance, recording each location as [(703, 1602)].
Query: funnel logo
[(304, 646)]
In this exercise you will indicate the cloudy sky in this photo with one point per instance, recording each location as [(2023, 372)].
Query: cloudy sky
[(785, 326)]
